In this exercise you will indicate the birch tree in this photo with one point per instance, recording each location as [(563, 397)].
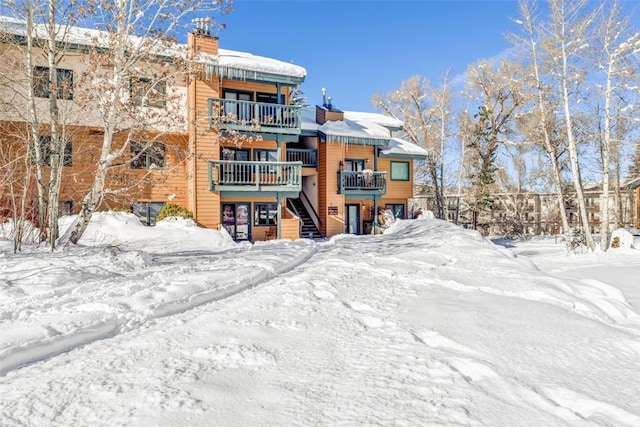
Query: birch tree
[(615, 50), (541, 134), (564, 42), (137, 35), (41, 25)]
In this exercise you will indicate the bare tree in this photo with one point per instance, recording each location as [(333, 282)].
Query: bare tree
[(542, 133), (565, 41), (137, 37), (425, 112), (40, 90), (499, 90), (614, 55)]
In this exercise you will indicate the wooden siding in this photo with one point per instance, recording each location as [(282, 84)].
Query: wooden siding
[(397, 191), (204, 146), (254, 87), (160, 185), (290, 228)]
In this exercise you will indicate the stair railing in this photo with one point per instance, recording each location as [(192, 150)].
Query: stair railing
[(315, 217)]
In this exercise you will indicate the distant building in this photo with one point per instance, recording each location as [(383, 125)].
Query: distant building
[(538, 213)]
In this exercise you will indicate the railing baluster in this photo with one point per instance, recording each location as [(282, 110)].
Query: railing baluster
[(265, 114)]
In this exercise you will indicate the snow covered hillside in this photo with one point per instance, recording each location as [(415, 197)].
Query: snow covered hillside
[(426, 324)]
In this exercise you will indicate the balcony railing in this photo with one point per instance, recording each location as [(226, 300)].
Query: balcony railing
[(308, 157), (362, 182), (255, 176), (254, 116)]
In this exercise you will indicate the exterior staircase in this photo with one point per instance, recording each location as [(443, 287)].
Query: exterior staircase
[(308, 229)]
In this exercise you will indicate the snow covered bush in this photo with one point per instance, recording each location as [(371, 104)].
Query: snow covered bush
[(172, 210)]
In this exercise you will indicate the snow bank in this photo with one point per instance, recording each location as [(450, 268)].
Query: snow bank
[(121, 276)]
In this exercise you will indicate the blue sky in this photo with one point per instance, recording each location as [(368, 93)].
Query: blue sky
[(358, 48)]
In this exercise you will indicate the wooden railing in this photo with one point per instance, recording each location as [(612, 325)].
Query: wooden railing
[(308, 156), (362, 182), (260, 176), (249, 114)]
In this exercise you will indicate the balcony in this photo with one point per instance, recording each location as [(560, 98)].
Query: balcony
[(308, 157), (362, 183), (248, 116), (263, 177)]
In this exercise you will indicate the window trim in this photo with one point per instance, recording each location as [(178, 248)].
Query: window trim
[(258, 151), (391, 207), (45, 152), (391, 171), (267, 221), (42, 85)]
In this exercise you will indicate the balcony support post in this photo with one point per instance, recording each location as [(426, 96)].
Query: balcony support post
[(279, 217), (375, 215), (375, 159), (279, 157)]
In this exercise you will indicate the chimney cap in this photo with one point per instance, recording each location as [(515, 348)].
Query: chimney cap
[(202, 26)]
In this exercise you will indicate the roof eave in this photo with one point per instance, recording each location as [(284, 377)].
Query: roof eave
[(233, 73), (355, 140), (403, 156)]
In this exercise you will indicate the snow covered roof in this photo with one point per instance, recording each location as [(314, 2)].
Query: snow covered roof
[(309, 123), (403, 149), (246, 66), (380, 119), (78, 36), (228, 63), (360, 132), (635, 183)]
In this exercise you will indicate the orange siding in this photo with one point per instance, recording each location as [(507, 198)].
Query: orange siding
[(160, 185), (397, 191), (204, 146), (290, 228)]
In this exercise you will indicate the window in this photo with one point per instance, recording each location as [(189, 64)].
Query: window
[(45, 150), (147, 211), (399, 171), (265, 155), (147, 155), (42, 84), (242, 111), (396, 208), (65, 207), (354, 165), (266, 214), (269, 98), (145, 93)]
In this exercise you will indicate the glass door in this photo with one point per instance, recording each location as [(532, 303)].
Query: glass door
[(235, 219), (352, 220), (243, 111)]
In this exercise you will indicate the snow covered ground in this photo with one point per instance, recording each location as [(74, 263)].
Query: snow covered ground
[(426, 324)]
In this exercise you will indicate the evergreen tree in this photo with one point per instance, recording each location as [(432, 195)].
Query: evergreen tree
[(482, 149)]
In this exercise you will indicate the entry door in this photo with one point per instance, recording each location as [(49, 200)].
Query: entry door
[(352, 221), (235, 219)]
